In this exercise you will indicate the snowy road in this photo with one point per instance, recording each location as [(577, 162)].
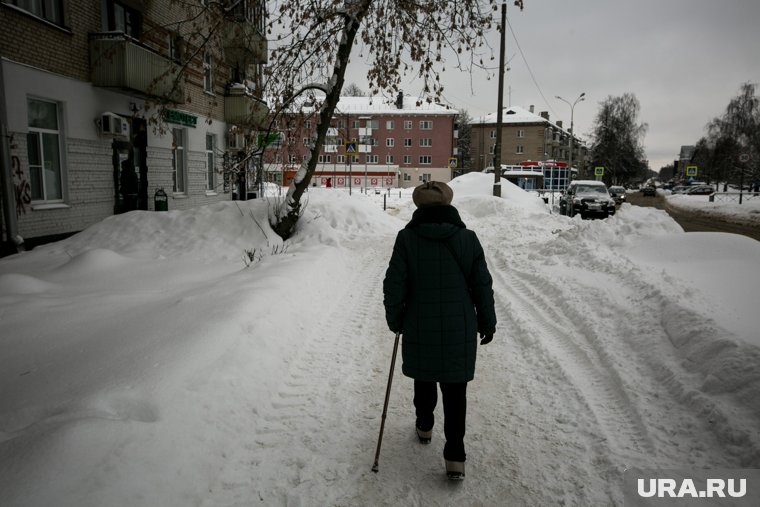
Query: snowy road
[(166, 373)]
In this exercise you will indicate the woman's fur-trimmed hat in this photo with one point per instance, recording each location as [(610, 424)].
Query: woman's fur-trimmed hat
[(432, 193)]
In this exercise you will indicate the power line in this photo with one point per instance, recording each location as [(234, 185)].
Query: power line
[(535, 82)]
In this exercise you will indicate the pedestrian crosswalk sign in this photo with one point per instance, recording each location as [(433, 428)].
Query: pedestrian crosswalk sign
[(598, 171), (350, 147), (452, 162), (691, 171)]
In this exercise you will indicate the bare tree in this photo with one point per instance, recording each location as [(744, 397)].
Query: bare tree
[(313, 42), (353, 90), (734, 137), (616, 139)]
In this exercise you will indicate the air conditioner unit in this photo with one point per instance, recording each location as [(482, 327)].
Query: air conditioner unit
[(111, 124)]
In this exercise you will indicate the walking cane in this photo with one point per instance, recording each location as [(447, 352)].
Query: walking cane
[(385, 406)]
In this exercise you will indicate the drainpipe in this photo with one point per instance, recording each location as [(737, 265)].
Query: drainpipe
[(12, 242)]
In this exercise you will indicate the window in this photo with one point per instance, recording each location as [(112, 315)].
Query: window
[(407, 159), (520, 133), (208, 73), (122, 18), (341, 159), (426, 160), (210, 161), (407, 124), (324, 159), (43, 146), (307, 124), (354, 159), (355, 124), (426, 125), (175, 47), (389, 159), (493, 134), (520, 149), (372, 159), (407, 143), (407, 177), (389, 125), (424, 177), (390, 142), (291, 159), (49, 10), (426, 142), (179, 183)]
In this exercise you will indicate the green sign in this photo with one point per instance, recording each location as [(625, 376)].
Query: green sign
[(691, 170), (267, 139), (598, 171), (179, 117)]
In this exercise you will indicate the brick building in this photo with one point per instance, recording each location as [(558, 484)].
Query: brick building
[(372, 142), (528, 140), (105, 101)]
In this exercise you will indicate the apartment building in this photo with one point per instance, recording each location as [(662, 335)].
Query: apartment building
[(372, 142), (528, 140), (103, 102)]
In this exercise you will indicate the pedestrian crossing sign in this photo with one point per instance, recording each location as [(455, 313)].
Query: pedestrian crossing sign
[(691, 171), (453, 162), (350, 147), (599, 171)]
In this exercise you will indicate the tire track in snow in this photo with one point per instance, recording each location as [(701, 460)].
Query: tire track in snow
[(581, 358)]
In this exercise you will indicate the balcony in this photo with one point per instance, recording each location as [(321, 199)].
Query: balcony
[(118, 61), (243, 109), (243, 44)]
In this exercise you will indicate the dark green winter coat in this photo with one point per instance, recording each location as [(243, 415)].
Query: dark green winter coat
[(438, 304)]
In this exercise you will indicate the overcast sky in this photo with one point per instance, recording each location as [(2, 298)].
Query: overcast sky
[(683, 60)]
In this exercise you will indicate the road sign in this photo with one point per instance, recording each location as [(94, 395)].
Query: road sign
[(599, 171), (691, 171), (453, 162), (744, 158), (350, 147)]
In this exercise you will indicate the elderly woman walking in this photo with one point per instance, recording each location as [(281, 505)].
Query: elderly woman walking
[(438, 295)]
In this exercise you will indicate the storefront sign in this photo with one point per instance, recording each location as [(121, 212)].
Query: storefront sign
[(179, 117)]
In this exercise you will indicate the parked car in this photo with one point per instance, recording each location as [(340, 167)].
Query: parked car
[(680, 189), (589, 198), (618, 193), (649, 191), (700, 190)]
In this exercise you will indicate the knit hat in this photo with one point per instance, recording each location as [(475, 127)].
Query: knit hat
[(432, 193)]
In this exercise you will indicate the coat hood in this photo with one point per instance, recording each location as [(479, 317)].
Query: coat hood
[(436, 222)]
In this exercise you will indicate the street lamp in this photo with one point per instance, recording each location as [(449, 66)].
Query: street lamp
[(572, 132)]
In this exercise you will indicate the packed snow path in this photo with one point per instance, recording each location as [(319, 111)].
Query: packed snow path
[(558, 410), (144, 365)]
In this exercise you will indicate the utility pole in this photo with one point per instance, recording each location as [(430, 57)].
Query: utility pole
[(500, 106)]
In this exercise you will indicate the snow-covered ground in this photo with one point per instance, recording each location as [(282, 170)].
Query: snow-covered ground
[(143, 363)]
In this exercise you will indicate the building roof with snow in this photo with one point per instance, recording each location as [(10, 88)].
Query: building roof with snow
[(401, 105), (512, 114)]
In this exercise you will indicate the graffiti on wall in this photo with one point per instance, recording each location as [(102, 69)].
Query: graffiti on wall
[(23, 189)]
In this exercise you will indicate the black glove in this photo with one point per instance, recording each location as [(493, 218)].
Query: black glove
[(485, 338)]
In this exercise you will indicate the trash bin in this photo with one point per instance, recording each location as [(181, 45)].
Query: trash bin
[(160, 200)]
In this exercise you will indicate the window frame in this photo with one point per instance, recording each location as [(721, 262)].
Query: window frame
[(179, 161), (40, 133), (208, 73), (39, 9), (210, 162)]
